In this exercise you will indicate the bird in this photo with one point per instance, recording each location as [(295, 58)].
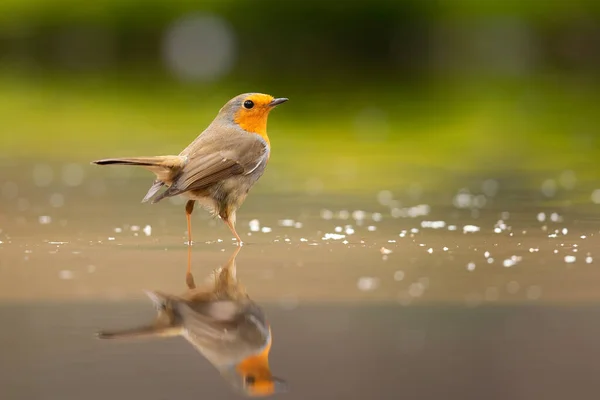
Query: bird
[(220, 166), (223, 324)]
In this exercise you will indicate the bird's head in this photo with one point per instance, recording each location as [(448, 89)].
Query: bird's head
[(252, 376), (250, 111)]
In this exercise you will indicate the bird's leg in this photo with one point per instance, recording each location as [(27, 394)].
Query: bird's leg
[(231, 226), (189, 207), (231, 263), (189, 280)]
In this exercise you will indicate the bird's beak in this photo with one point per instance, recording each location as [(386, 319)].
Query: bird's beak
[(278, 101), (280, 385)]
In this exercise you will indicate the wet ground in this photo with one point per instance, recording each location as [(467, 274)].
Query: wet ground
[(426, 294)]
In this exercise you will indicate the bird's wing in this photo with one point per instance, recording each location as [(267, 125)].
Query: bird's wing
[(210, 319), (236, 157), (202, 171)]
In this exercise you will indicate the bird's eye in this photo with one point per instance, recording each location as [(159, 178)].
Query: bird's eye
[(250, 380), (248, 104)]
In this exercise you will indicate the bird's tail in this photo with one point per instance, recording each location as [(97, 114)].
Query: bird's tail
[(164, 325), (155, 161), (164, 167), (140, 332)]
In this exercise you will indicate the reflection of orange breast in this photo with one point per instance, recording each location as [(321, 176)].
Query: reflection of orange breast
[(258, 367), (258, 364)]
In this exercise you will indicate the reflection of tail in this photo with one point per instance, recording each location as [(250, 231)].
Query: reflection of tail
[(141, 332), (164, 325)]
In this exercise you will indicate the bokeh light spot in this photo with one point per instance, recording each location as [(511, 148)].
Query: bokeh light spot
[(42, 175), (72, 174), (199, 47), (57, 200)]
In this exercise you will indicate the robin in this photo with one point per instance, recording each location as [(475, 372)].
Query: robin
[(223, 324), (220, 166)]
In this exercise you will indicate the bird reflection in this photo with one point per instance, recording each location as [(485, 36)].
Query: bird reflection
[(223, 324)]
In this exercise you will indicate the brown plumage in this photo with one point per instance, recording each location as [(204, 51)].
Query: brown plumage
[(220, 166)]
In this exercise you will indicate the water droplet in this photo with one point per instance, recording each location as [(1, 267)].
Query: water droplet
[(383, 250), (433, 224), (471, 229), (367, 283), (286, 222), (541, 217), (398, 275), (334, 236), (254, 225)]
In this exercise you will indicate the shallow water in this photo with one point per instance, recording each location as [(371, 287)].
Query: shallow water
[(426, 293), (341, 351)]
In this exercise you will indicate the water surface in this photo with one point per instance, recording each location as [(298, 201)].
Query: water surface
[(420, 293)]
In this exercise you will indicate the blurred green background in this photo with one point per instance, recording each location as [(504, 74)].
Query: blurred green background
[(383, 93)]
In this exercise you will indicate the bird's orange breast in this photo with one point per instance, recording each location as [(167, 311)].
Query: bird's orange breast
[(254, 121), (257, 364)]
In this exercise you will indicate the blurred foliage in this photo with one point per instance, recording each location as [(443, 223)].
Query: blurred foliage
[(105, 10), (487, 127), (282, 39)]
